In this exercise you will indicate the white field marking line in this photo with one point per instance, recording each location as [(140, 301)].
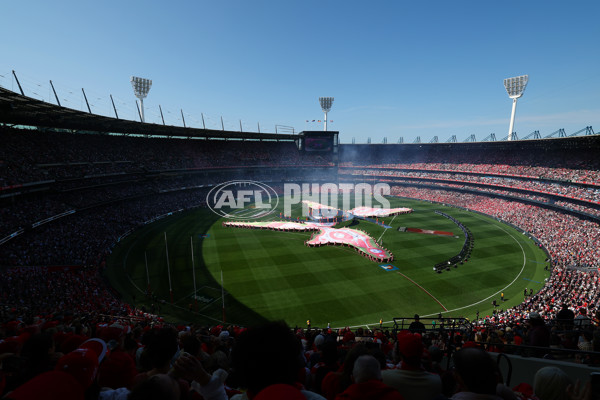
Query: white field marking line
[(481, 301), (385, 229), (507, 286), (125, 270), (192, 294), (142, 291)]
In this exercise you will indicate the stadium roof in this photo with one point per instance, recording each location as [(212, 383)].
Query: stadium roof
[(22, 110)]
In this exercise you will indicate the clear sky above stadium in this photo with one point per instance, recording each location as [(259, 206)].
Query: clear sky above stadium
[(396, 68)]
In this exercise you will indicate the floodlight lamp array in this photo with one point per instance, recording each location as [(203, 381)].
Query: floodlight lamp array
[(515, 86), (326, 103), (141, 86)]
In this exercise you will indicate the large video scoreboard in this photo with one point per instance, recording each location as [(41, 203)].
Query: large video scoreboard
[(319, 141)]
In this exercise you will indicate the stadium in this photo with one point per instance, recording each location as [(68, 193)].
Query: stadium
[(186, 211), (90, 212)]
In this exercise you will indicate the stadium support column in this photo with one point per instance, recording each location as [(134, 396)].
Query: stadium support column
[(512, 120), (114, 108), (86, 101), (55, 96), (161, 114), (18, 83)]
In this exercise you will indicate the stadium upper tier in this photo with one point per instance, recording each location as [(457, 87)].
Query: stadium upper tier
[(31, 156), (560, 159)]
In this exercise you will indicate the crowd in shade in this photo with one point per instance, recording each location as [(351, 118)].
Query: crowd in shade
[(86, 237), (63, 353), (32, 156), (84, 194)]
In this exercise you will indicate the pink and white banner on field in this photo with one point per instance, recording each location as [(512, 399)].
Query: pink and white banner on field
[(359, 240)]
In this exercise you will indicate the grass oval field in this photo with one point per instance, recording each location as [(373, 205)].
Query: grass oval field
[(273, 275)]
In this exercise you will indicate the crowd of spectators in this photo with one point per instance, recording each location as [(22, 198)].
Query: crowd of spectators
[(45, 174), (575, 162), (578, 207), (550, 172), (33, 156), (84, 238), (60, 352), (554, 187), (567, 204), (21, 213), (15, 215)]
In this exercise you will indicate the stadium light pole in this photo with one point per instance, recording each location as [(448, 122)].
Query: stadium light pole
[(326, 103), (515, 87), (141, 87)]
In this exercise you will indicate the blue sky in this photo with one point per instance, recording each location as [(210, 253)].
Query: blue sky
[(396, 68)]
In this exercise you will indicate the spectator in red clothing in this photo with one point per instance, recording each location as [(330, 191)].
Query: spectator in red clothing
[(118, 370), (368, 382), (411, 379)]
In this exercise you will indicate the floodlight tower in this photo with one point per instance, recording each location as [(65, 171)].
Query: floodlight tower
[(326, 103), (141, 87), (515, 87)]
